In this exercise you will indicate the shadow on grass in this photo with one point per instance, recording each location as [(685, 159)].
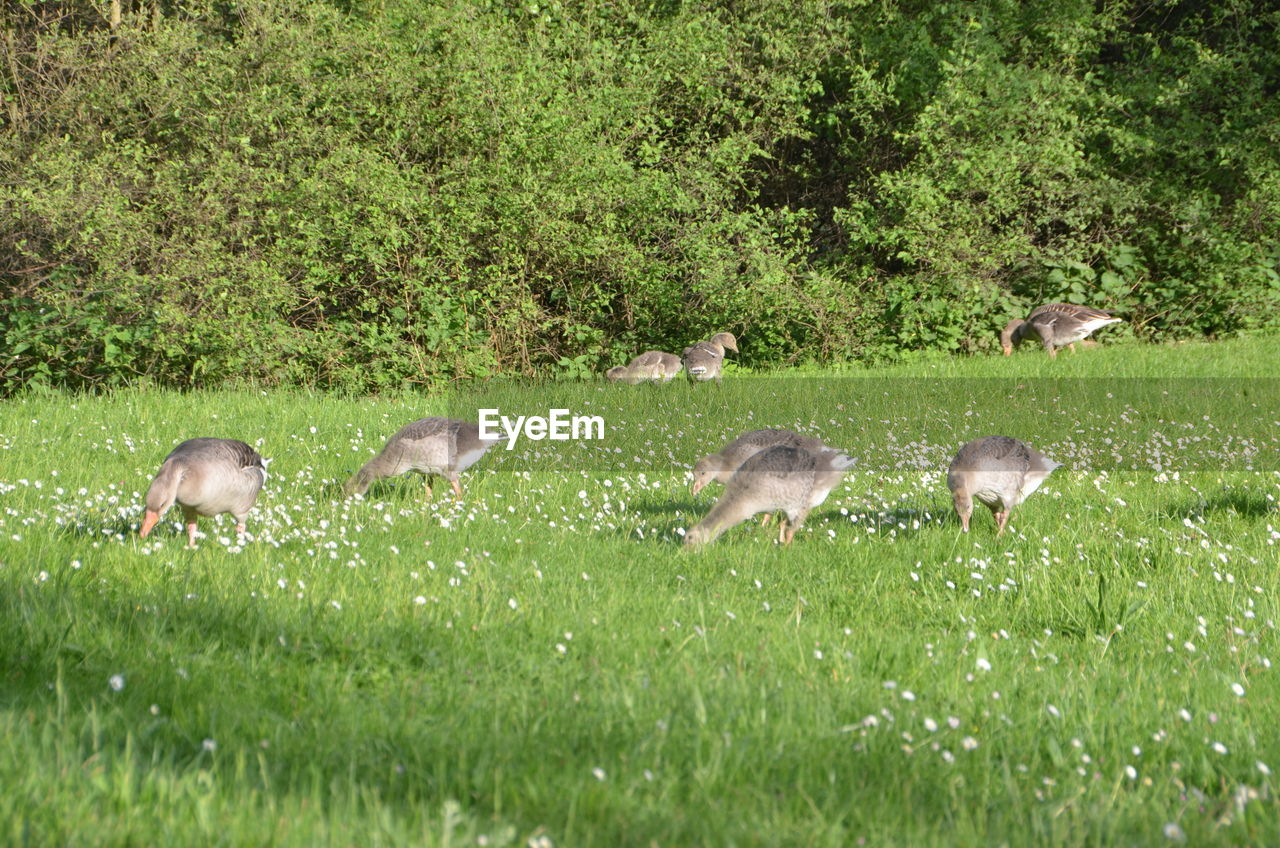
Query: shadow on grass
[(97, 525), (324, 709), (332, 491), (665, 534), (909, 521), (904, 523), (170, 526), (406, 490), (1244, 503), (688, 507)]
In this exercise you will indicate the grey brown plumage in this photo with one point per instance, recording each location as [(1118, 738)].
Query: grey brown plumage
[(206, 477), (704, 360), (650, 366), (1055, 325), (780, 478), (428, 446), (720, 466), (999, 472)]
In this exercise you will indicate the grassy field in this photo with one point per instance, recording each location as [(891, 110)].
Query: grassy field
[(544, 664)]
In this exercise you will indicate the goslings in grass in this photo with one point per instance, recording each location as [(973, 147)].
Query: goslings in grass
[(652, 366), (206, 477), (783, 478), (719, 467), (703, 360), (443, 446), (1055, 325), (998, 471)]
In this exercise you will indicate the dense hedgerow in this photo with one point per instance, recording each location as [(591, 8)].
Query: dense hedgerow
[(363, 197)]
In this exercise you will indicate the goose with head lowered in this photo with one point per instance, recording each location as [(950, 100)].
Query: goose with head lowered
[(430, 446), (999, 472), (652, 366), (1055, 325), (720, 466), (703, 360), (780, 478), (206, 477)]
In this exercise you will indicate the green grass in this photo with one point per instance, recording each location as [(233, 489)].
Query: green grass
[(543, 663)]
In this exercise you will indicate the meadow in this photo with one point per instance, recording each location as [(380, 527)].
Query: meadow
[(542, 663)]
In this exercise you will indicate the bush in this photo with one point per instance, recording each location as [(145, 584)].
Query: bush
[(364, 198)]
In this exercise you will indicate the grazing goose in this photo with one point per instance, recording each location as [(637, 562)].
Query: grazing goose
[(443, 446), (998, 471), (650, 366), (206, 477), (703, 360), (719, 467), (1056, 325), (778, 478)]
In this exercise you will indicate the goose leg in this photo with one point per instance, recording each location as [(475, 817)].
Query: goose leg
[(457, 488), (791, 523), (1072, 347), (190, 515), (795, 520), (1002, 519)]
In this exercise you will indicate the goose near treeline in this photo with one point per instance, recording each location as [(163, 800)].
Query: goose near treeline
[(652, 366), (206, 477), (999, 472), (780, 478), (430, 446), (1055, 325), (720, 466), (703, 360)]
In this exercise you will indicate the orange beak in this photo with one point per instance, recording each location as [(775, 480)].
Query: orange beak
[(1008, 351), (697, 486), (148, 521)]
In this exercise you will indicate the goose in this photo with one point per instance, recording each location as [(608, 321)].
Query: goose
[(703, 360), (443, 446), (650, 366), (1056, 325), (719, 467), (206, 477), (784, 478), (998, 471)]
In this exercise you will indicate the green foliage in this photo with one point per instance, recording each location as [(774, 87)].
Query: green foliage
[(368, 196), (1019, 178)]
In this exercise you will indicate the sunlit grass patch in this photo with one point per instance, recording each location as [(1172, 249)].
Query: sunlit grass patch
[(541, 661)]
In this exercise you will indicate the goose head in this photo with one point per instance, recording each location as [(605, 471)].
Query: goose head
[(1010, 337), (725, 340), (705, 470)]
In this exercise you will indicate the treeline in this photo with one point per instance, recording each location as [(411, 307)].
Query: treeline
[(363, 195)]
